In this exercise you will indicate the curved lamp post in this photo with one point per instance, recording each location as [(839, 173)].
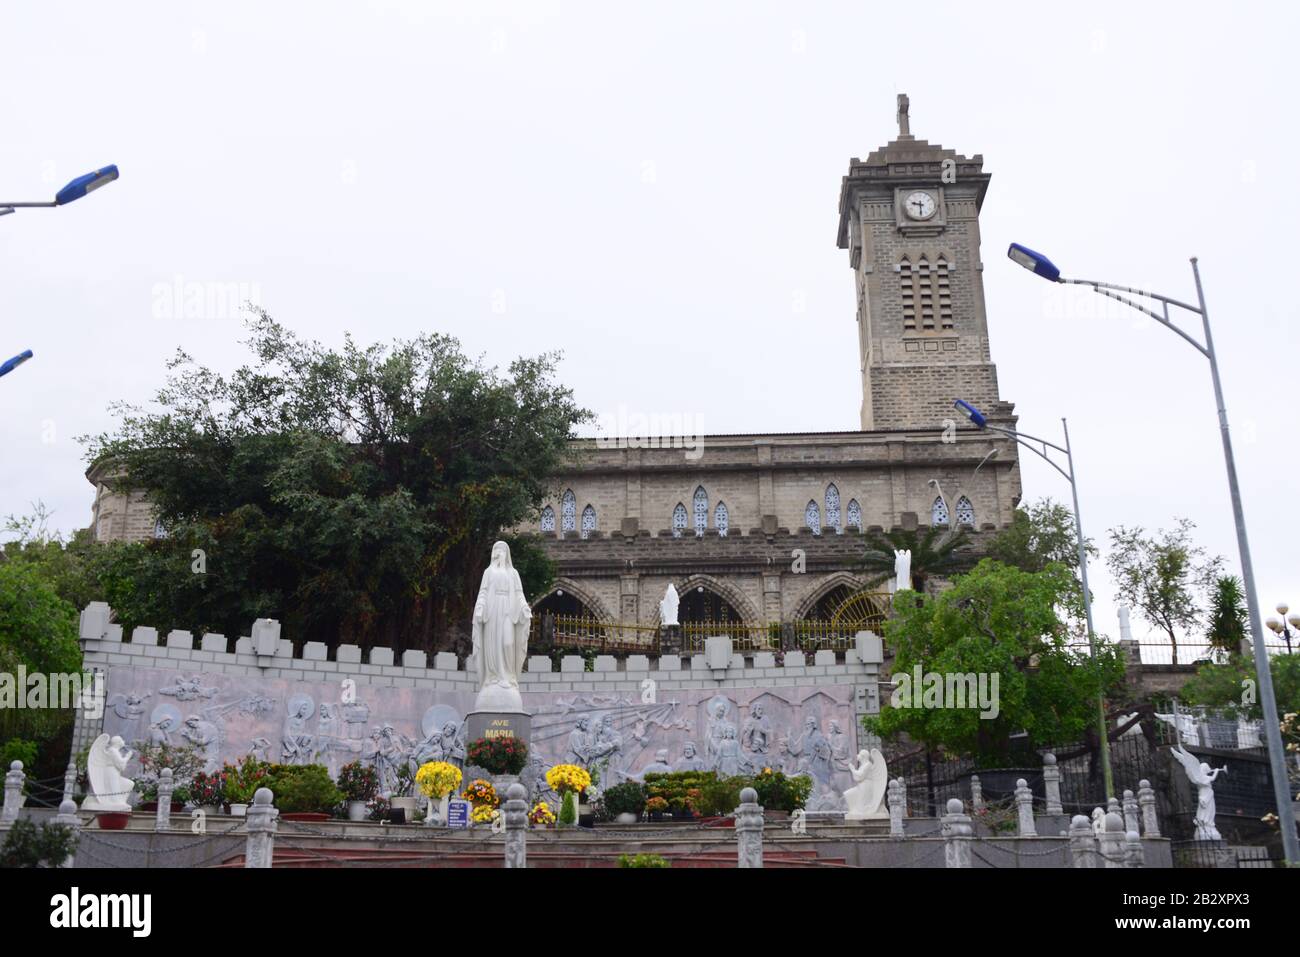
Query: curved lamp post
[(76, 189), (1039, 447), (1040, 265), (9, 365)]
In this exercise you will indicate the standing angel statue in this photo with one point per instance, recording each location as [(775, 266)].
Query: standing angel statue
[(501, 617), (902, 569), (1202, 775), (866, 798)]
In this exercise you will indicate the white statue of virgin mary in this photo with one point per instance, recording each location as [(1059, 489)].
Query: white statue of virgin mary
[(501, 617)]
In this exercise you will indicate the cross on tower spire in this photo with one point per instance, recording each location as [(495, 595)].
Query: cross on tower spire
[(904, 127)]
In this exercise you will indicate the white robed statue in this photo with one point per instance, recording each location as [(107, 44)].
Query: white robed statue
[(867, 796), (501, 617), (668, 607), (106, 768), (902, 569)]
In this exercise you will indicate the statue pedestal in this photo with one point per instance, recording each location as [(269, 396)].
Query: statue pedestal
[(499, 724)]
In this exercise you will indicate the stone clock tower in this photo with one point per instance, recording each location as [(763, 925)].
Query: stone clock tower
[(909, 217)]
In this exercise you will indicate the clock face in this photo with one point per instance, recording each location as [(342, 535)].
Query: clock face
[(919, 205)]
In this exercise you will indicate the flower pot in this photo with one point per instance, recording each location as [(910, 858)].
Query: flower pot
[(177, 806), (656, 816), (209, 809), (627, 817), (113, 820), (357, 810), (239, 810), (409, 805)]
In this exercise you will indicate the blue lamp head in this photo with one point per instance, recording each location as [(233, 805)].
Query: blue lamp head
[(82, 185), (9, 365), (972, 413), (1036, 263)]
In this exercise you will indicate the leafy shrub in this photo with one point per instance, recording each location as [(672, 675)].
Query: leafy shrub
[(776, 792), (16, 749), (642, 860), (27, 845), (303, 788), (358, 782), (720, 797), (498, 755), (626, 798), (569, 808), (239, 782), (185, 761)]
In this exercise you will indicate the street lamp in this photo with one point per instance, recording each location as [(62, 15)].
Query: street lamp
[(9, 365), (977, 417), (1278, 625), (1040, 265), (76, 189)]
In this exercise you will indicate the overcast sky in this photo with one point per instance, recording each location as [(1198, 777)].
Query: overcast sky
[(655, 194)]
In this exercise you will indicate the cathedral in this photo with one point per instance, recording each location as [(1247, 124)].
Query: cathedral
[(765, 529)]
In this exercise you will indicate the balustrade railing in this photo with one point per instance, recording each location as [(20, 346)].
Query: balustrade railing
[(583, 633)]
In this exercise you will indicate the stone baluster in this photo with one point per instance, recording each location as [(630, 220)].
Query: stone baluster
[(1083, 843), (897, 793), (516, 811), (749, 830), (1147, 802), (957, 836), (260, 823), (1113, 807), (1133, 854), (67, 816), (70, 780), (1130, 812), (1025, 809), (14, 797), (166, 784), (1052, 784), (1112, 841), (976, 792)]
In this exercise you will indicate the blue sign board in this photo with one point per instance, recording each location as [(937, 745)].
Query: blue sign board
[(458, 813)]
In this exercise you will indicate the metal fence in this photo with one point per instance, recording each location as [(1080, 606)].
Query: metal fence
[(581, 633)]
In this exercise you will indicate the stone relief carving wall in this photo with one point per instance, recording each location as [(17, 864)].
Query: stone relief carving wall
[(800, 730)]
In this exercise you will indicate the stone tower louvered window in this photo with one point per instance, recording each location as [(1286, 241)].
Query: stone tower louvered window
[(927, 293), (588, 521), (721, 520), (568, 511), (854, 514), (812, 517), (965, 511), (679, 520), (701, 501), (833, 508), (939, 512)]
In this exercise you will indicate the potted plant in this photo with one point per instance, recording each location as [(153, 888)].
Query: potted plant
[(436, 780), (541, 816), (206, 793), (185, 762), (404, 797), (481, 793), (568, 780), (655, 808), (779, 795), (483, 814), (304, 792), (625, 802), (239, 782), (359, 785), (503, 758)]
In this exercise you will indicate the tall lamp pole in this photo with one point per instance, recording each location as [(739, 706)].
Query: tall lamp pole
[(76, 189), (1040, 449), (1040, 265)]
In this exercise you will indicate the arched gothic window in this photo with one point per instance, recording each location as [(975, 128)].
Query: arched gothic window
[(720, 519), (939, 511), (701, 511), (679, 520), (588, 521), (855, 514), (548, 519), (812, 517), (568, 511), (965, 512), (833, 507)]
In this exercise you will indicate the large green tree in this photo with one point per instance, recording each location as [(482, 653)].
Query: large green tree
[(353, 493), (1232, 686), (998, 620), (1040, 533), (1164, 576)]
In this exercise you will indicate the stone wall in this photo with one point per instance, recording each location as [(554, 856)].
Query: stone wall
[(255, 695)]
